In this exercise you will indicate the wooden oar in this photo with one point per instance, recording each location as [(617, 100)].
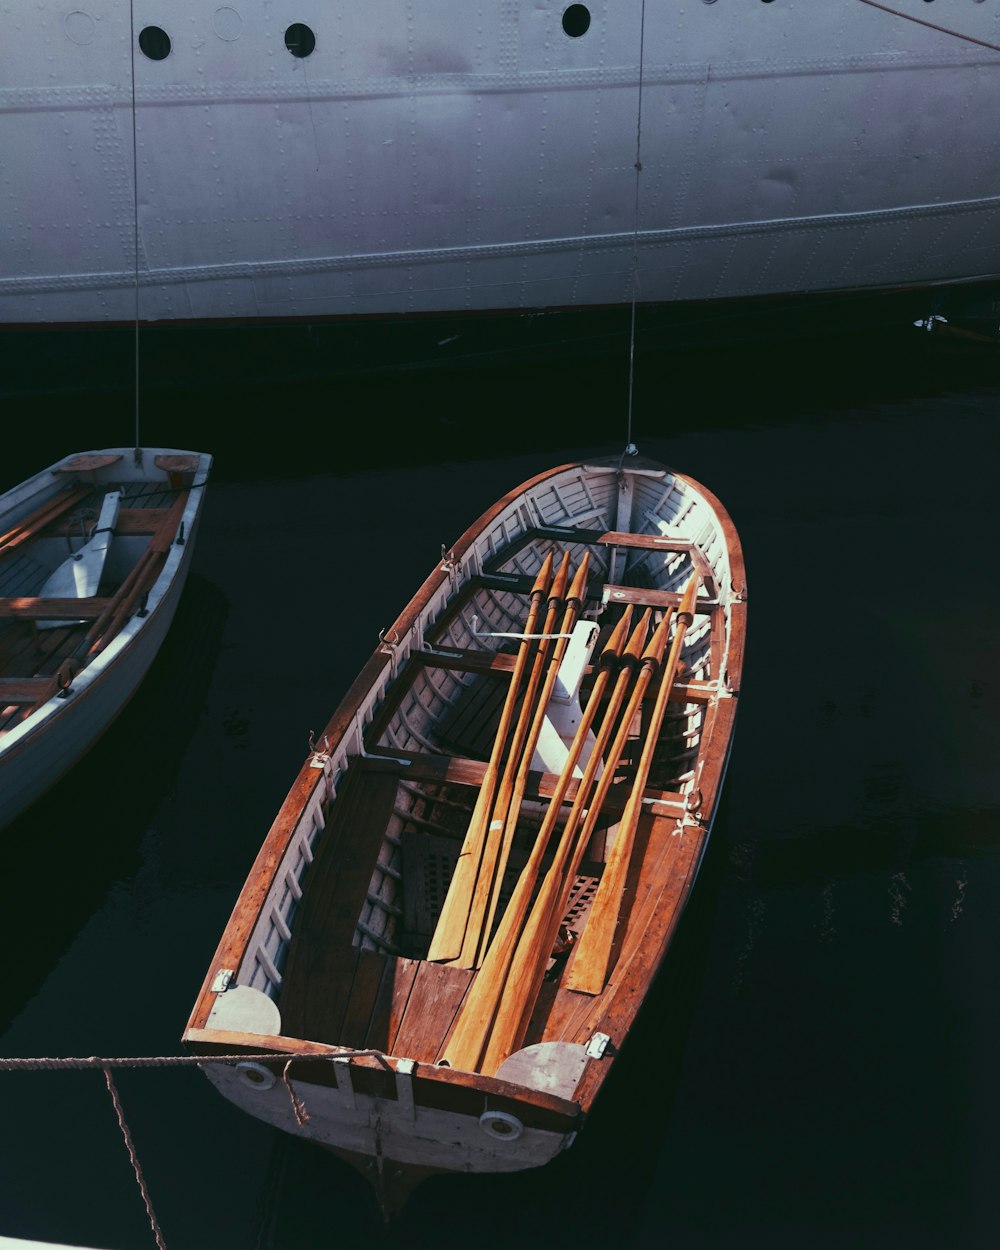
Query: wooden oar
[(592, 956), (475, 1019), (446, 943), (44, 515), (508, 808), (534, 945)]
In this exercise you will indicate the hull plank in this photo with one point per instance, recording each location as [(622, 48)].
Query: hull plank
[(322, 962)]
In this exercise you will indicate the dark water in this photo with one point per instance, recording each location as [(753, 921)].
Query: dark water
[(816, 1066)]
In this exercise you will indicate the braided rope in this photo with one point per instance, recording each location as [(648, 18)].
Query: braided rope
[(298, 1106), (154, 1061), (140, 1180), (50, 1064)]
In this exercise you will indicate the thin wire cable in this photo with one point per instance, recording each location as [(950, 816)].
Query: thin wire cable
[(920, 21), (630, 448), (135, 213)]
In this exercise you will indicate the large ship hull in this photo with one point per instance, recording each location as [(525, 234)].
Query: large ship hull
[(453, 156)]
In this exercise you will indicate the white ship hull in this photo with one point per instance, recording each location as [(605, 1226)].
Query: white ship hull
[(469, 154)]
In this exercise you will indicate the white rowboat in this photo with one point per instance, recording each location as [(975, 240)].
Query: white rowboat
[(93, 555)]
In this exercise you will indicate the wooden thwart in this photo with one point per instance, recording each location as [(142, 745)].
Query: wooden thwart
[(33, 608), (26, 690)]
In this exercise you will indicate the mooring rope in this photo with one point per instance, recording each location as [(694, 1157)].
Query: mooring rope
[(139, 1178), (53, 1064), (90, 1062)]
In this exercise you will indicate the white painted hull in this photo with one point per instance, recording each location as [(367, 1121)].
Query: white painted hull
[(456, 155), (58, 734), (395, 1129)]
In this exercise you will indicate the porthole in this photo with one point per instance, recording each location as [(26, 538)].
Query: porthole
[(299, 39), (576, 20), (154, 43)]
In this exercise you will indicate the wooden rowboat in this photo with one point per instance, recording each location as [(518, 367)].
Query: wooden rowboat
[(93, 556), (456, 914)]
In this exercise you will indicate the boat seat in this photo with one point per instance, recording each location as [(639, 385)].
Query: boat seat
[(180, 470), (88, 462)]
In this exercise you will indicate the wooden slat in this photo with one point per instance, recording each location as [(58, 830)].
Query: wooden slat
[(33, 608), (540, 785), (26, 690), (368, 973), (436, 996), (654, 598), (462, 660), (658, 542), (390, 1004)]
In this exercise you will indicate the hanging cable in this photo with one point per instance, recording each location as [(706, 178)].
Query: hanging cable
[(920, 21), (135, 217), (630, 447)]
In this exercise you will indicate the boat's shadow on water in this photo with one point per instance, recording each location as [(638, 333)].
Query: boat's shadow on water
[(85, 833)]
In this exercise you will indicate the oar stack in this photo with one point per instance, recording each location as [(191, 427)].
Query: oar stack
[(512, 961)]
